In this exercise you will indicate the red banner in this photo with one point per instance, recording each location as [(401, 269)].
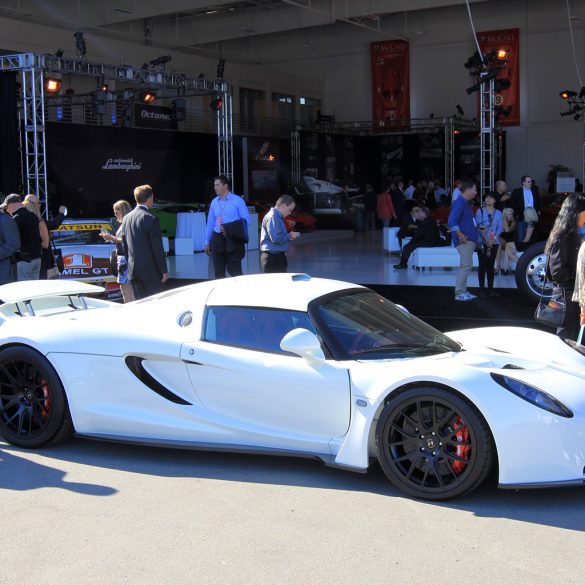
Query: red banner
[(390, 83), (507, 40)]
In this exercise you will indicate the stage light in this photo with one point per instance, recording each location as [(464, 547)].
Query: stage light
[(59, 53), (501, 84), (147, 97), (162, 60), (474, 61), (460, 110), (502, 111), (567, 93), (502, 54), (456, 132), (577, 117), (80, 44), (105, 87), (220, 68), (52, 85), (216, 103)]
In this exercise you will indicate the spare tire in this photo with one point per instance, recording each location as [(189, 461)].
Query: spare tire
[(530, 271)]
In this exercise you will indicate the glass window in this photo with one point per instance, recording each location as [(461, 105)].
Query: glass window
[(309, 109), (283, 107), (253, 328), (364, 325), (252, 108)]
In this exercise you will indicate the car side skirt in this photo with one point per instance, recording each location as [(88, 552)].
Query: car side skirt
[(325, 458), (543, 485)]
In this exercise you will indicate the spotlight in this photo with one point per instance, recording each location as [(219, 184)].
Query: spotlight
[(105, 87), (162, 60), (216, 103), (147, 97), (431, 115), (59, 53), (567, 93), (474, 62), (220, 68), (52, 85), (80, 44), (502, 54), (501, 84), (456, 132), (577, 117), (460, 110)]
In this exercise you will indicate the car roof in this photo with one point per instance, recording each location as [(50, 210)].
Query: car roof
[(278, 291)]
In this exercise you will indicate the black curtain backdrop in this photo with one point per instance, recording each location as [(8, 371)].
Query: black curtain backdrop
[(9, 163), (91, 167)]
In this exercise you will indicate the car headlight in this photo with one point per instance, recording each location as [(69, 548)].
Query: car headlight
[(533, 395)]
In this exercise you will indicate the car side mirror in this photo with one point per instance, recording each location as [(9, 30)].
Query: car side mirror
[(303, 343)]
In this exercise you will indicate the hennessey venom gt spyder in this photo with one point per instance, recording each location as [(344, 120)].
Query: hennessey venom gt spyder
[(290, 364)]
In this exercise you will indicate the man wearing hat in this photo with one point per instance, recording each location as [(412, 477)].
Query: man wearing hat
[(28, 265), (9, 244)]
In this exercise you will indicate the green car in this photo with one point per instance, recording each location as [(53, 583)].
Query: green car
[(167, 215)]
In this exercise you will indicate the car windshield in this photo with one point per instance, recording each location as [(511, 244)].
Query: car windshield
[(364, 325)]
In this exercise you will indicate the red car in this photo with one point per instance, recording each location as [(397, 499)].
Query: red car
[(299, 220)]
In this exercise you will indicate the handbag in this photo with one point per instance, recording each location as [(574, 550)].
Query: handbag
[(551, 312), (53, 273)]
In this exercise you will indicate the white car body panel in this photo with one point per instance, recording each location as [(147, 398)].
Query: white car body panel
[(253, 400)]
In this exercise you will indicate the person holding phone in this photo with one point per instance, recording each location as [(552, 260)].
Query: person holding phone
[(489, 221)]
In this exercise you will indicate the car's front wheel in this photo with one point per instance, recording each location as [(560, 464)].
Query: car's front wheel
[(432, 444), (33, 406)]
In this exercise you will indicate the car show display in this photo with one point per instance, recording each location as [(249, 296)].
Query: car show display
[(294, 365)]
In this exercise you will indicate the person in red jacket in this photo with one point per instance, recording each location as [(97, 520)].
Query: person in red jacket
[(385, 208)]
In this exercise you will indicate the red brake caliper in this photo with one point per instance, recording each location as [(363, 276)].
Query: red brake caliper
[(461, 436), (46, 401)]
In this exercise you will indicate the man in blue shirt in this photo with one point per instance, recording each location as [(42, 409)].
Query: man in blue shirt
[(227, 208), (274, 238), (465, 236)]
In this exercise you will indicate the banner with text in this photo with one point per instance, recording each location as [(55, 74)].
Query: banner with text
[(508, 99), (156, 117), (390, 83)]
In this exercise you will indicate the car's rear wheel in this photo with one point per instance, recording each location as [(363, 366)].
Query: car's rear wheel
[(33, 406), (432, 444)]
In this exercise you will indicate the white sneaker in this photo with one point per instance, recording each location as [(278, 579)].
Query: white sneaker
[(471, 297), (464, 297)]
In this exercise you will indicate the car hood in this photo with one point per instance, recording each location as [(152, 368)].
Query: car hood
[(536, 358)]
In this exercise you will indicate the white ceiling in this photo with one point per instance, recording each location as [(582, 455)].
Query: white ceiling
[(229, 28)]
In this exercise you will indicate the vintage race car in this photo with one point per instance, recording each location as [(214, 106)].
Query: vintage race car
[(289, 364), (86, 256)]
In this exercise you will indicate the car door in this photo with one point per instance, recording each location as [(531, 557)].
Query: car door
[(238, 370)]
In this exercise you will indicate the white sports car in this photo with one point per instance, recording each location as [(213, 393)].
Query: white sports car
[(294, 365)]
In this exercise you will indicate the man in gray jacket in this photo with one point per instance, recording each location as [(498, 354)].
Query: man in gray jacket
[(142, 240), (9, 244)]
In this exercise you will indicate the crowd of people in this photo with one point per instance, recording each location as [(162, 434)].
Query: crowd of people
[(505, 225)]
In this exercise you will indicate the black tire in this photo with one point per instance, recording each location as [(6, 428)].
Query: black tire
[(432, 444), (530, 271), (33, 406)]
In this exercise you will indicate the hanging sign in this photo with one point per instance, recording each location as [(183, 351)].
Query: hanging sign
[(507, 99), (390, 83)]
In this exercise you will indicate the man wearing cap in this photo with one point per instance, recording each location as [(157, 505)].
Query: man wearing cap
[(28, 265), (9, 244)]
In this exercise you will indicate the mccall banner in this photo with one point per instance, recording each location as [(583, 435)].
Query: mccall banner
[(508, 40), (390, 83)]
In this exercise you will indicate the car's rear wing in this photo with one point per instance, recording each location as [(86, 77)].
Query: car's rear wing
[(31, 298)]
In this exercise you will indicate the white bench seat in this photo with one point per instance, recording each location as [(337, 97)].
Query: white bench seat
[(439, 257)]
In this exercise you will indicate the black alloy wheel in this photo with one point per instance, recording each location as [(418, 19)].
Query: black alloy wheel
[(33, 406), (432, 444)]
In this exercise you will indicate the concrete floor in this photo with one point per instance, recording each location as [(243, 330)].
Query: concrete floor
[(352, 256), (88, 513)]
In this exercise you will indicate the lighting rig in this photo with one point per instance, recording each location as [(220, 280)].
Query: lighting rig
[(575, 102), (484, 69)]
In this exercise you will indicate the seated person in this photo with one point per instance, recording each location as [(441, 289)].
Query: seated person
[(408, 225), (426, 235), (531, 236)]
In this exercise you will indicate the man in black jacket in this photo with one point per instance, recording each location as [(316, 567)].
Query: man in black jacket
[(9, 244), (142, 239), (426, 235), (523, 197)]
